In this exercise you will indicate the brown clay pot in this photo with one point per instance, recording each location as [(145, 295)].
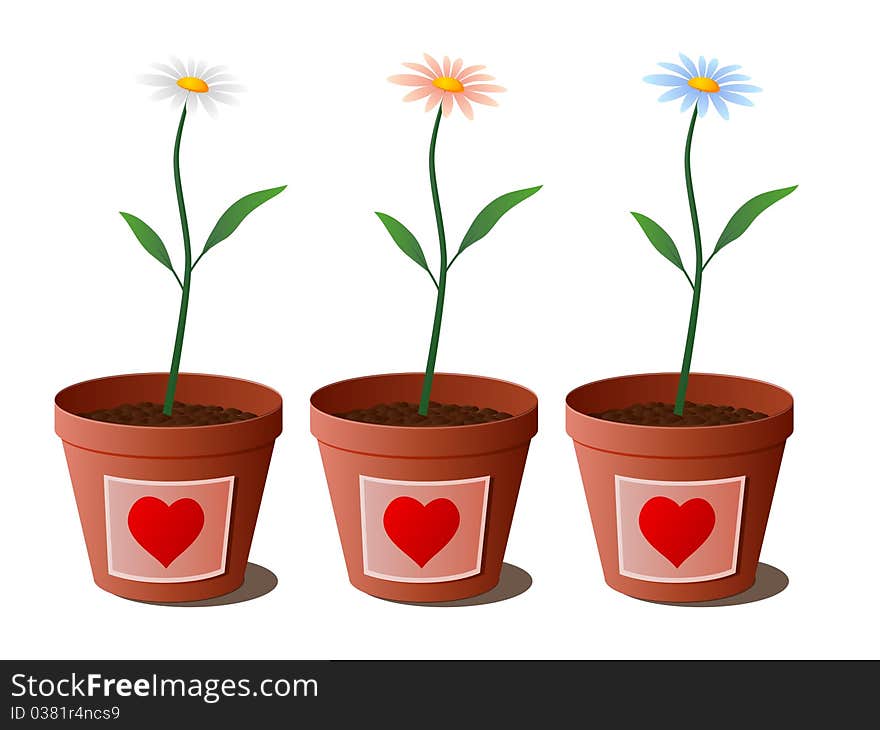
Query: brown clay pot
[(679, 513), (424, 513), (168, 513)]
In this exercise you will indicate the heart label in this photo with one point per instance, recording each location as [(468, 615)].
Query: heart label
[(165, 530), (678, 531), (421, 530)]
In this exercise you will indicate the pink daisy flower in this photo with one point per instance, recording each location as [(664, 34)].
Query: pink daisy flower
[(451, 81)]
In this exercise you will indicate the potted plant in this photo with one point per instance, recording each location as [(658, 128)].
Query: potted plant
[(168, 469), (679, 469), (424, 468)]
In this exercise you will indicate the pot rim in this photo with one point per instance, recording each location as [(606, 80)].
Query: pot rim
[(420, 441), (422, 428), (165, 441), (121, 376), (677, 441), (569, 395)]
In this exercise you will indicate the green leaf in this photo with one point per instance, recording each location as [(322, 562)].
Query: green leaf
[(491, 214), (236, 213), (745, 216), (405, 240), (660, 239), (149, 239)]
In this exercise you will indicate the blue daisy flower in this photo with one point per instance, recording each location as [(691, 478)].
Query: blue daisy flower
[(701, 82)]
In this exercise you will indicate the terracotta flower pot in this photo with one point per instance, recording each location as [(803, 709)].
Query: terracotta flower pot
[(168, 513), (424, 512), (679, 513)]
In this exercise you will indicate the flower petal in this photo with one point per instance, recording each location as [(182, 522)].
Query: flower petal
[(213, 71), (228, 88), (434, 99), (720, 106), (465, 105), (729, 96), (409, 80), (166, 92), (177, 65), (475, 77), (688, 64), (209, 105), (732, 77), (726, 70), (713, 64), (492, 88), (421, 69), (676, 68), (456, 67), (703, 104), (447, 66), (421, 93), (224, 98), (665, 80), (674, 93), (447, 104), (165, 69), (479, 98), (469, 70), (701, 66), (689, 98), (432, 63), (747, 88), (156, 80), (218, 79)]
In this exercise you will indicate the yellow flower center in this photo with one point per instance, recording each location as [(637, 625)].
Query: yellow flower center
[(447, 83), (702, 83), (192, 83)]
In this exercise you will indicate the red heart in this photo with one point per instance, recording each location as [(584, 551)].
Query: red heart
[(165, 530), (421, 530), (676, 531)]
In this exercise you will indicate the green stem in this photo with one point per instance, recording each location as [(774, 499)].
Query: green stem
[(698, 274), (196, 263), (453, 260), (187, 275), (709, 259), (428, 381)]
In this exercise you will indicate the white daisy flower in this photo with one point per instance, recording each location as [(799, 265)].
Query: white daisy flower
[(194, 84)]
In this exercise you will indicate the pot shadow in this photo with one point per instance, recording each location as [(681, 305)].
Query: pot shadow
[(514, 581), (258, 581), (769, 581)]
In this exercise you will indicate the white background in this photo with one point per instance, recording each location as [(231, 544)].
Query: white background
[(565, 290)]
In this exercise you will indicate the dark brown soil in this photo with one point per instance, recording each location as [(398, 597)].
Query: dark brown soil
[(183, 414), (439, 414), (695, 414)]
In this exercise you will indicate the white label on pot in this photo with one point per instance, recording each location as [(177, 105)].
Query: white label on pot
[(678, 532), (167, 532), (423, 532)]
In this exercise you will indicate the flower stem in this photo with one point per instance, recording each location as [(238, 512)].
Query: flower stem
[(698, 274), (187, 275), (428, 381)]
